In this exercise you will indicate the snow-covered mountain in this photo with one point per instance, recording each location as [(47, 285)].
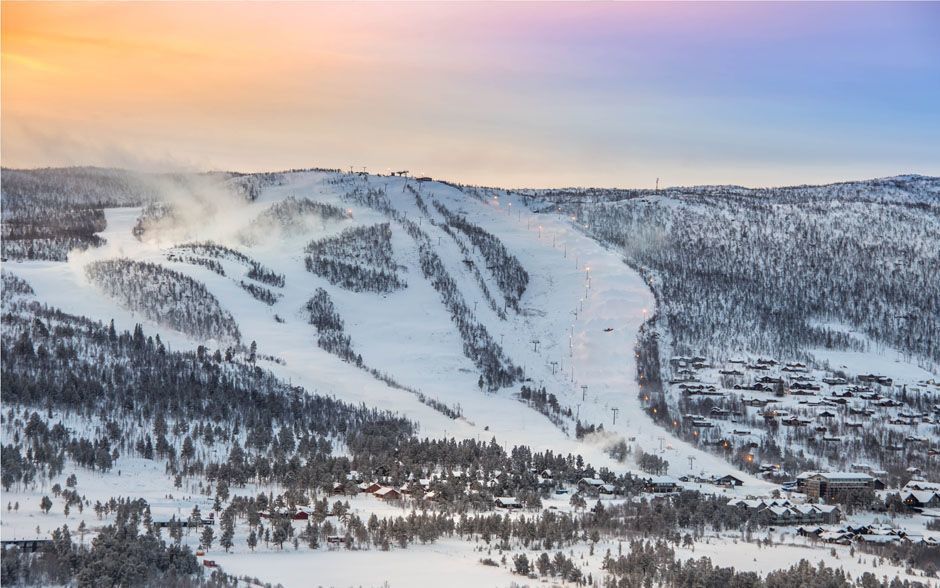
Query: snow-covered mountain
[(540, 321)]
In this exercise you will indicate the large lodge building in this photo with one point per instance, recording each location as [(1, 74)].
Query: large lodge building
[(835, 485)]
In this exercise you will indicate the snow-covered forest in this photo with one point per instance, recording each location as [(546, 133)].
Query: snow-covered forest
[(166, 296), (778, 271), (358, 259)]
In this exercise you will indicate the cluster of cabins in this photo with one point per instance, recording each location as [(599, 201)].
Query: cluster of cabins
[(298, 514), (783, 512), (382, 492), (726, 481), (858, 402), (591, 487), (869, 534), (597, 487), (798, 382), (422, 486)]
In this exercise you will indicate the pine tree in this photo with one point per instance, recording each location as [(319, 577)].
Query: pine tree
[(207, 537), (228, 531), (521, 563)]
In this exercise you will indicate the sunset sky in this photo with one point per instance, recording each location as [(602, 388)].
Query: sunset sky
[(498, 94)]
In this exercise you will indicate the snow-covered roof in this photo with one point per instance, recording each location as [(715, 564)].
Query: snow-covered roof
[(879, 538), (507, 501), (922, 496), (843, 475), (921, 485), (754, 503)]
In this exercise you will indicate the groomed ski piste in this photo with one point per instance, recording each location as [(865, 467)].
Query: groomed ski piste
[(409, 334), (574, 333)]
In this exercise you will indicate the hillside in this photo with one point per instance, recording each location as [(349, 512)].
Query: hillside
[(279, 342)]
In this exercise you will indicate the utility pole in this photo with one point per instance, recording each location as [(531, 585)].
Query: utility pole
[(535, 345), (691, 461), (583, 393), (615, 410), (554, 365)]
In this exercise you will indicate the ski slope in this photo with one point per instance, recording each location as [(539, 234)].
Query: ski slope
[(577, 326)]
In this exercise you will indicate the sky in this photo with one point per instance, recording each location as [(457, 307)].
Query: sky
[(500, 94)]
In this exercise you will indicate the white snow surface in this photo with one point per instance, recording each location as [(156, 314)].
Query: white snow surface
[(409, 335)]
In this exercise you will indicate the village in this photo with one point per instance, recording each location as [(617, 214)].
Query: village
[(814, 507), (872, 424)]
